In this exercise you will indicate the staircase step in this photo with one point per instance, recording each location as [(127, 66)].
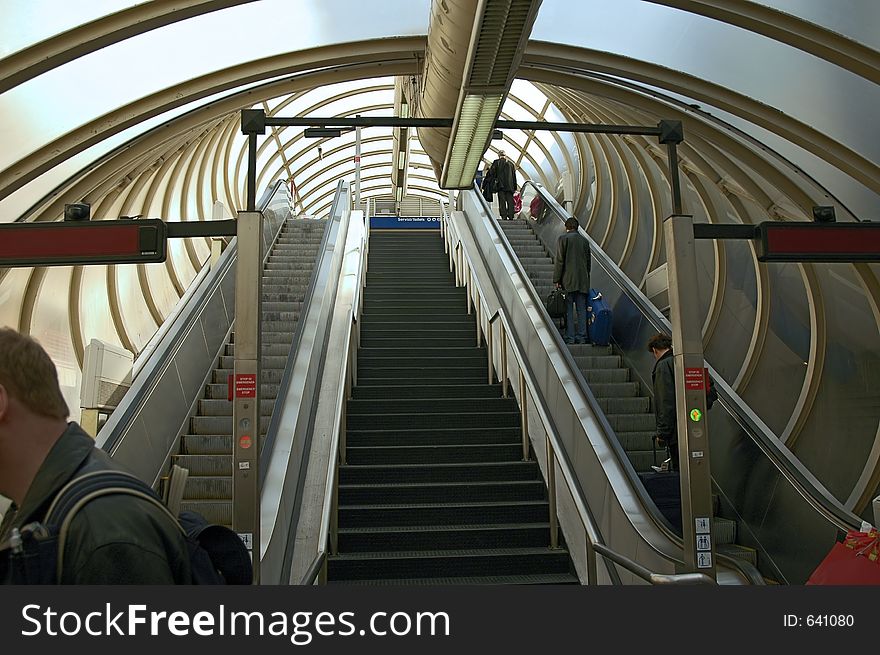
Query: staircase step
[(356, 455), (481, 580), (533, 511), (428, 391), (421, 436), (433, 420), (445, 563), (373, 406), (214, 511), (444, 537), (437, 492), (212, 465), (441, 473), (206, 487)]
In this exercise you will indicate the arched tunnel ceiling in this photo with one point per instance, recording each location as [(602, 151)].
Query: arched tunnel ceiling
[(149, 124)]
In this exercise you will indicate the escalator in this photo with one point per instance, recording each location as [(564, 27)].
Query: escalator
[(625, 401), (434, 489), (178, 411), (758, 508), (206, 449)]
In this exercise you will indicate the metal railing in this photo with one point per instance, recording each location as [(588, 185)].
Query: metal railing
[(555, 452), (328, 530)]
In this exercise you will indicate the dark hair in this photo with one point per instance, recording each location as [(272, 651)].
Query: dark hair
[(29, 375), (660, 341), (572, 223)]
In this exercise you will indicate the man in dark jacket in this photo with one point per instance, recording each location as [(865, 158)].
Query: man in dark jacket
[(503, 173), (114, 539), (663, 377), (571, 272)]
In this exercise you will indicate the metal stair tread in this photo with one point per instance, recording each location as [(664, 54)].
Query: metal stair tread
[(466, 552), (536, 578), (466, 527), (443, 465), (488, 503), (434, 446)]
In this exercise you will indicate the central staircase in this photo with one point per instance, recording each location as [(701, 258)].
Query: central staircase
[(434, 489)]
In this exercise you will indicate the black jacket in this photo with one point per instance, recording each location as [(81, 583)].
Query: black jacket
[(504, 174), (663, 377), (114, 539)]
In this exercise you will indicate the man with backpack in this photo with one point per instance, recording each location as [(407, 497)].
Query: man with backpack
[(114, 539)]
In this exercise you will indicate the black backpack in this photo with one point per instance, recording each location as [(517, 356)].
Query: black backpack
[(36, 553)]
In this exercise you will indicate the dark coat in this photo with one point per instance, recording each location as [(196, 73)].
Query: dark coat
[(488, 184), (573, 260), (504, 174), (114, 539), (663, 377)]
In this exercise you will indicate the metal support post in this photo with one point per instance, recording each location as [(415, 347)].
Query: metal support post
[(246, 385), (503, 362), (523, 414), (690, 396), (489, 354), (551, 492), (357, 167), (592, 573)]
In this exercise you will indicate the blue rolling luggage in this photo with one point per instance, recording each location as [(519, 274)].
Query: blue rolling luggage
[(599, 319)]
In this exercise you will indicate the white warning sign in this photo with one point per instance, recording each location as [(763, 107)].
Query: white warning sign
[(704, 542), (247, 539), (704, 560), (703, 526)]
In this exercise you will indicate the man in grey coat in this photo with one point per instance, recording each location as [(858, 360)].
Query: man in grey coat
[(503, 172), (572, 273)]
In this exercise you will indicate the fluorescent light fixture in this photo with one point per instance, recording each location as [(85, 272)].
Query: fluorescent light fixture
[(404, 110), (401, 160), (472, 132), (399, 193)]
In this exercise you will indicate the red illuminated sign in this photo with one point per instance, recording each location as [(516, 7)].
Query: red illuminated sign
[(818, 242), (92, 242), (245, 385)]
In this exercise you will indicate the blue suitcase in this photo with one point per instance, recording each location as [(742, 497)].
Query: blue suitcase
[(599, 319)]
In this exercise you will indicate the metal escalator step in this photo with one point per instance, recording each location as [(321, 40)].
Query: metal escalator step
[(615, 390), (430, 350), (740, 552), (625, 405), (268, 361), (213, 465), (419, 375), (204, 487), (607, 375), (600, 362), (643, 460), (219, 424), (589, 350), (631, 422), (214, 511), (638, 441), (723, 531), (223, 407), (206, 444), (221, 391)]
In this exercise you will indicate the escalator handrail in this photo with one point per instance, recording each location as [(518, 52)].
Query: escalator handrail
[(266, 450), (748, 571), (807, 486), (332, 481), (179, 322)]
